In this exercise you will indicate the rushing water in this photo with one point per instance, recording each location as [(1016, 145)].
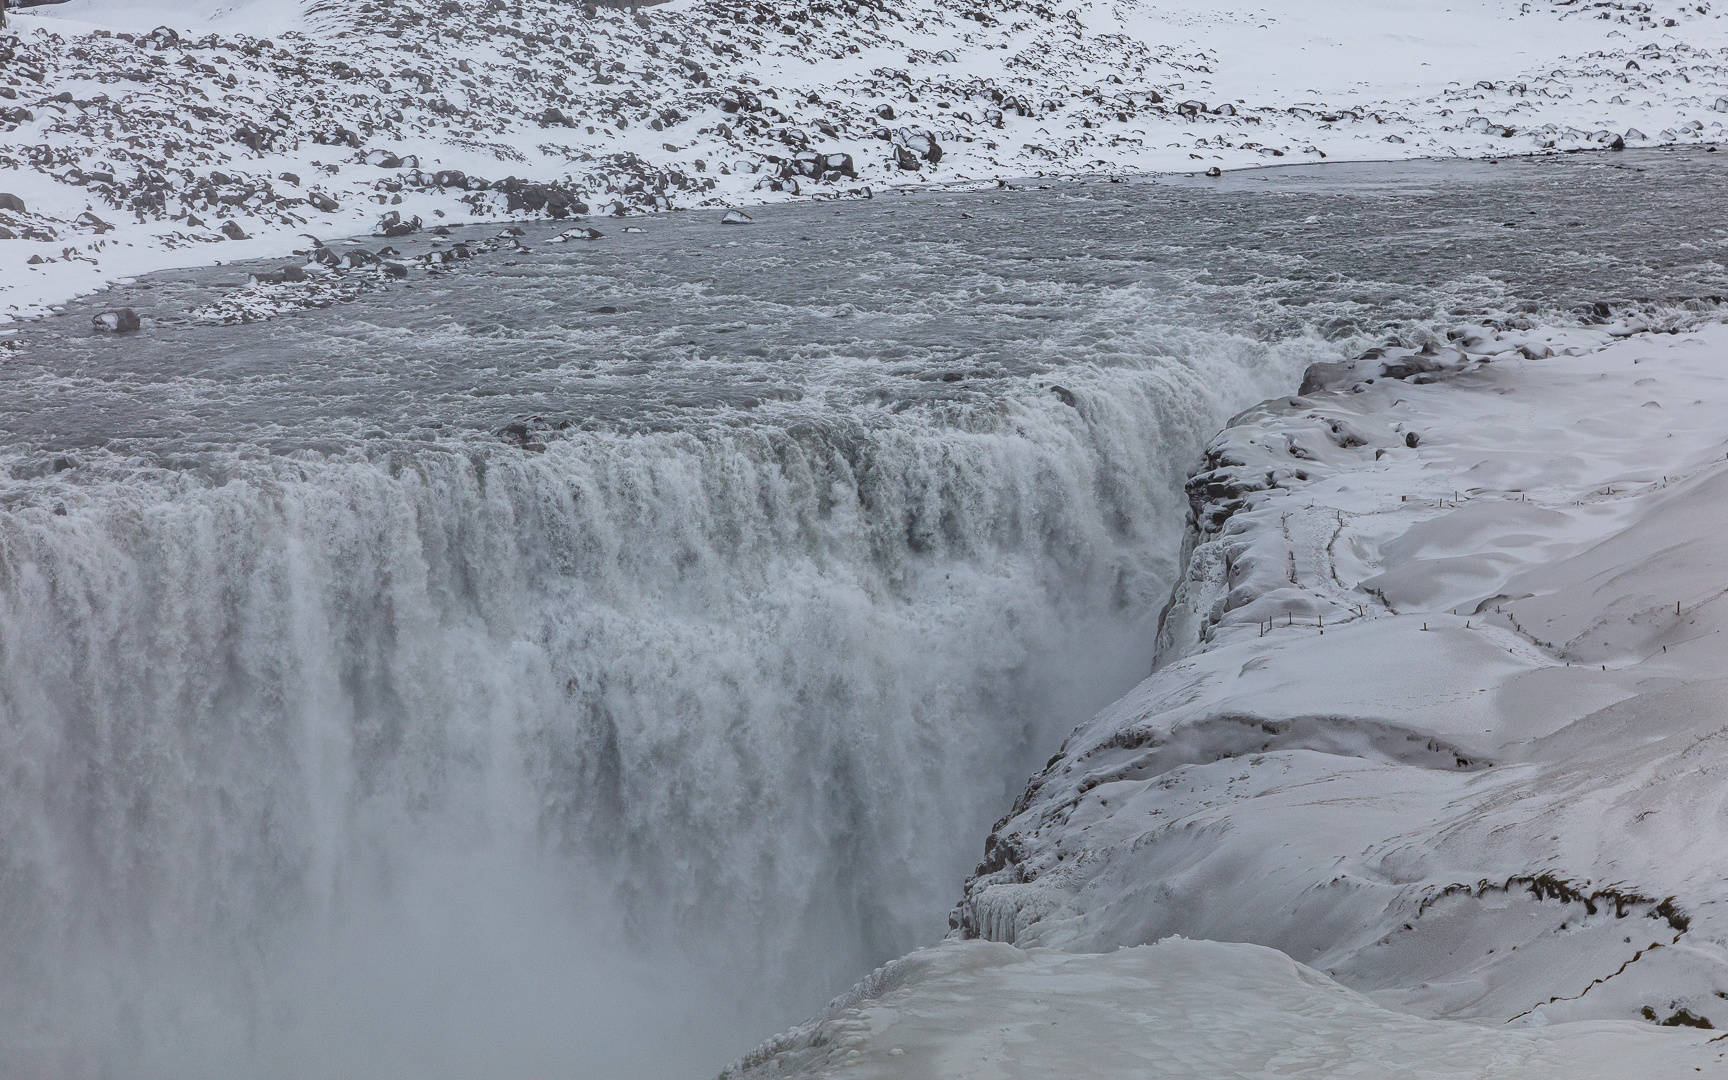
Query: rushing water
[(343, 736)]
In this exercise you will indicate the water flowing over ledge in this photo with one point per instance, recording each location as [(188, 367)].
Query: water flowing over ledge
[(497, 668)]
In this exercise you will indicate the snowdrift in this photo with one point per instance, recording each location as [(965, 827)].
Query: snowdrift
[(1186, 1010)]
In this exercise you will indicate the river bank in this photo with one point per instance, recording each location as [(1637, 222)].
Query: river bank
[(235, 131), (1438, 713)]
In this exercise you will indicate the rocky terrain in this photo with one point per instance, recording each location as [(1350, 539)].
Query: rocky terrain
[(253, 131)]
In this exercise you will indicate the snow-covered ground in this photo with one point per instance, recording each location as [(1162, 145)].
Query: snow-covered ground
[(1440, 705), (141, 136), (1178, 1010), (1439, 712)]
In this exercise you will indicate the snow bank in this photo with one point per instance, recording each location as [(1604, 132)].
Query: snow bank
[(1177, 1010), (230, 131), (1439, 708)]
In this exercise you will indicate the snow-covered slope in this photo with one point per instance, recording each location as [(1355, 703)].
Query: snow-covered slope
[(1178, 1010), (136, 136), (1440, 707)]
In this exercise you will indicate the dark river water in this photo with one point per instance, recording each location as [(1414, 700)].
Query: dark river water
[(588, 659)]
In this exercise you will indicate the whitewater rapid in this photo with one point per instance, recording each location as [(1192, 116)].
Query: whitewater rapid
[(350, 730)]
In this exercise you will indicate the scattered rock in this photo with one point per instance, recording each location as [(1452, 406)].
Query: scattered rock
[(1326, 375), (576, 234), (1412, 440), (233, 231), (11, 202), (393, 225), (118, 320)]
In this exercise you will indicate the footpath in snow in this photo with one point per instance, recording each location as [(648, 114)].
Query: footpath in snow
[(138, 136), (1440, 713)]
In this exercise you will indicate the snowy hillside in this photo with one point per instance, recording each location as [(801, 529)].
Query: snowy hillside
[(1178, 1010), (1440, 708), (135, 137)]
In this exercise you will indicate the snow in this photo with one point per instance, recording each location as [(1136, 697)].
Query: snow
[(164, 138), (1443, 721), (1428, 779), (1178, 1009)]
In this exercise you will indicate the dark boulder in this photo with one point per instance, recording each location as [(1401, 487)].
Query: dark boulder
[(393, 225), (921, 143), (1403, 367), (117, 321), (1327, 375)]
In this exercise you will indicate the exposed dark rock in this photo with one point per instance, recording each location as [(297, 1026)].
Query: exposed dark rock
[(1326, 375), (1405, 366), (393, 225), (120, 319)]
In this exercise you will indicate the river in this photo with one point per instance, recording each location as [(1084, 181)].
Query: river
[(587, 661)]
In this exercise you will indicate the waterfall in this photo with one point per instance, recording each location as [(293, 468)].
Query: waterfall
[(452, 758)]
